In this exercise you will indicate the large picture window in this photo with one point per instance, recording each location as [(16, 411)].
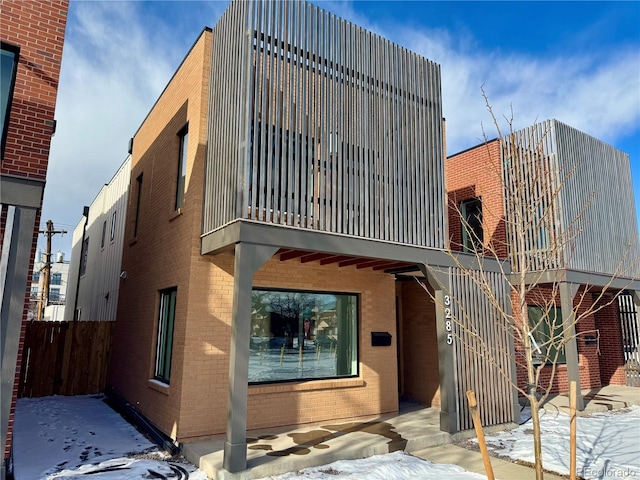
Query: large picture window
[(302, 336), (164, 345)]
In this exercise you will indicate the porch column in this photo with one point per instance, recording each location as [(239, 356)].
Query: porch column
[(439, 280), (248, 259), (567, 293), (14, 270)]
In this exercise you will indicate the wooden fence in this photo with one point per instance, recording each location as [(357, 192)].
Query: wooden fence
[(64, 358)]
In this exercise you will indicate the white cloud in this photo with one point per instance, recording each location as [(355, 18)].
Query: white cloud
[(116, 62), (118, 58), (597, 94)]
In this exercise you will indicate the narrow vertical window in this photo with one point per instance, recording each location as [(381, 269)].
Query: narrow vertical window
[(113, 226), (138, 196), (472, 232), (8, 68), (182, 167), (547, 331), (104, 233), (164, 345), (54, 294), (85, 256)]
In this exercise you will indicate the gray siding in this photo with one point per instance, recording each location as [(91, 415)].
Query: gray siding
[(316, 123), (575, 204), (97, 295)]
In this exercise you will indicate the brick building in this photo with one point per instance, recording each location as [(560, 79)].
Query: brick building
[(285, 191), (574, 236), (32, 35)]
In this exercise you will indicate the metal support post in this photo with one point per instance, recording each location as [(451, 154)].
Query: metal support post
[(248, 259)]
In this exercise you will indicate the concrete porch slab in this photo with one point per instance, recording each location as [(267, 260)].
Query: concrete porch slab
[(271, 453), (415, 430), (603, 399)]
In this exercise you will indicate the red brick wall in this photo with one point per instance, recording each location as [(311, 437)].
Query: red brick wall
[(477, 173), (607, 321), (588, 358), (38, 28)]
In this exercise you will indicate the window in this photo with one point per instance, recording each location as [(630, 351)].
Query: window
[(302, 336), (548, 333), (9, 55), (34, 292), (166, 317), (138, 196), (104, 233), (472, 233), (36, 277), (85, 256), (182, 167), (56, 279), (112, 235), (54, 294)]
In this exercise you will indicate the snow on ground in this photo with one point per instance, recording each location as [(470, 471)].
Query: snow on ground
[(608, 444), (392, 466), (69, 437)]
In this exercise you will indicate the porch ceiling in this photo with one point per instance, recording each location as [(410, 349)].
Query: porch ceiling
[(305, 256)]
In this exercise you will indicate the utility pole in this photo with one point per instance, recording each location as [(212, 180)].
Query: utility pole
[(46, 282)]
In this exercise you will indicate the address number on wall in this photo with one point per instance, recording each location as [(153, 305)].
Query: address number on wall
[(447, 319)]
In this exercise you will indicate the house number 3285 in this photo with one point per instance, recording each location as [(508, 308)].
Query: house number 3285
[(447, 319)]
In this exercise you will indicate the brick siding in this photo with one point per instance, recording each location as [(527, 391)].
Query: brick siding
[(476, 173), (38, 28)]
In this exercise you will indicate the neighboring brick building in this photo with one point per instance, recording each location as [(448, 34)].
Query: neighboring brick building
[(579, 230), (32, 35), (274, 226)]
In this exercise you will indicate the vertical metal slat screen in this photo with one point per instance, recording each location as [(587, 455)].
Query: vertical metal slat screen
[(319, 124), (483, 349), (608, 238), (587, 186)]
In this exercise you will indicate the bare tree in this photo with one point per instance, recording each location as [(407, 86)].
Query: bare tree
[(538, 245)]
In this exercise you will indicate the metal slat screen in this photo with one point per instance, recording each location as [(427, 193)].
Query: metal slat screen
[(608, 238), (482, 346), (569, 202), (319, 124)]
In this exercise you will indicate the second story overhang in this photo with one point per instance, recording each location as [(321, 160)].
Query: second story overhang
[(392, 257), (601, 281)]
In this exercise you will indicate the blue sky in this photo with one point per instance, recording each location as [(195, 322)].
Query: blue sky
[(578, 62)]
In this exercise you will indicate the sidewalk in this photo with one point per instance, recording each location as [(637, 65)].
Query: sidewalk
[(472, 462)]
